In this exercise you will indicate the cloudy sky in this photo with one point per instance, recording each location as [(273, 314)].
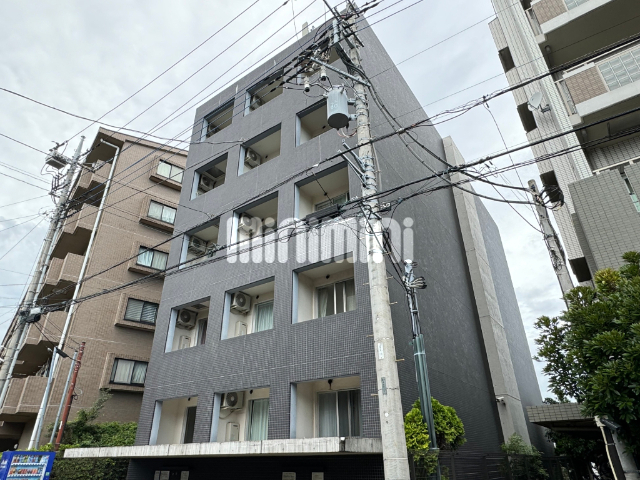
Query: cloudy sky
[(86, 58)]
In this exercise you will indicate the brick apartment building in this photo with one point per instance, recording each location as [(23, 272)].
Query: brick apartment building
[(118, 328), (260, 365), (600, 179)]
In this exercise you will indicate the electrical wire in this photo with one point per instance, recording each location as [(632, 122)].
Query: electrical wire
[(19, 241)]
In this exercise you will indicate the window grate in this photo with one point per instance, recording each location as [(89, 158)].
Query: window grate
[(622, 69)]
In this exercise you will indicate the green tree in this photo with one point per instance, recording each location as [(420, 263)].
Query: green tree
[(524, 461), (592, 350), (449, 433)]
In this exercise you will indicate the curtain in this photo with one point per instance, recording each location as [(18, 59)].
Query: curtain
[(164, 169), (123, 370), (176, 174), (134, 310), (155, 210), (327, 421), (259, 427), (145, 257), (354, 397), (264, 316), (139, 373), (202, 331), (325, 301), (350, 291), (149, 312), (159, 260), (168, 215)]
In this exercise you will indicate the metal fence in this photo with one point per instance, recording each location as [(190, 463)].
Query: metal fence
[(499, 467)]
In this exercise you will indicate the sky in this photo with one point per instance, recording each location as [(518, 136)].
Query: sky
[(86, 59)]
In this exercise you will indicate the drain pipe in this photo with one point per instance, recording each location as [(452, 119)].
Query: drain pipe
[(37, 427)]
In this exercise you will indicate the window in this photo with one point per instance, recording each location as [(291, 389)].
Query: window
[(527, 118), (258, 425), (632, 193), (621, 70), (139, 311), (170, 171), (339, 414), (263, 316), (152, 258), (336, 298), (162, 212), (574, 3), (217, 120), (128, 372), (337, 200)]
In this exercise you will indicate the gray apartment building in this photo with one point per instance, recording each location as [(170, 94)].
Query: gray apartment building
[(594, 97), (263, 362), (118, 328)]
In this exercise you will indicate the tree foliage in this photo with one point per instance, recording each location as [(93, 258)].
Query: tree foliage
[(592, 350), (524, 461), (83, 432), (449, 433)]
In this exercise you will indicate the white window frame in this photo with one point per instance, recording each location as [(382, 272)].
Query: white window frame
[(174, 171), (175, 211), (344, 297), (317, 411)]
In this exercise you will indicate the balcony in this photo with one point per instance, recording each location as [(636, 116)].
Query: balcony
[(90, 183), (601, 88), (51, 323), (76, 232), (248, 310), (569, 29), (188, 326), (24, 396), (61, 275)]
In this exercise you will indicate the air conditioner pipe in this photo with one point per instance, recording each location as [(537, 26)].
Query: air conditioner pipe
[(37, 427)]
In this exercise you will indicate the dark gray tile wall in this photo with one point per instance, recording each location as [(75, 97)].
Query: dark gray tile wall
[(338, 345)]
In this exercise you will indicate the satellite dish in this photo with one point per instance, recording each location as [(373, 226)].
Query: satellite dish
[(535, 101)]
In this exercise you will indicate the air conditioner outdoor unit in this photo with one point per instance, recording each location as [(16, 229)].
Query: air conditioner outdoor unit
[(241, 329), (233, 400), (206, 183), (256, 101), (186, 319), (246, 224), (233, 432), (251, 158), (241, 302), (197, 245)]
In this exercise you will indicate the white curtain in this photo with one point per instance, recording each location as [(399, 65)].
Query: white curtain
[(259, 427), (168, 215), (145, 257), (124, 369), (350, 290), (325, 301), (139, 373), (155, 210), (159, 260), (164, 169), (264, 316), (327, 421)]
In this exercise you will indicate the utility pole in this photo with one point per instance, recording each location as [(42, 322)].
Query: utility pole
[(57, 160), (394, 447), (411, 283), (67, 406), (66, 387), (556, 253)]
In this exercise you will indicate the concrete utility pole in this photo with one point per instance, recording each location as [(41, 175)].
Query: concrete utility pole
[(62, 400), (558, 259), (394, 446), (42, 265), (420, 356)]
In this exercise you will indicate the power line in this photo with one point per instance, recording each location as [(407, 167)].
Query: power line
[(19, 241), (23, 201), (22, 181), (22, 143)]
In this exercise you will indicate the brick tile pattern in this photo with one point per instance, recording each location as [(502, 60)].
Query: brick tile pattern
[(586, 85)]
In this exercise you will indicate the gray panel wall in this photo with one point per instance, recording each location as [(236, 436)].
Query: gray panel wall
[(610, 222), (338, 345), (514, 328)]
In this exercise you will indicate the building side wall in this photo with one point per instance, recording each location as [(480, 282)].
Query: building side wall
[(608, 217)]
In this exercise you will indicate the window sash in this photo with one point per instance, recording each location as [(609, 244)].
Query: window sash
[(339, 413), (152, 258), (141, 311), (172, 172), (258, 419), (162, 212), (336, 298), (128, 372)]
